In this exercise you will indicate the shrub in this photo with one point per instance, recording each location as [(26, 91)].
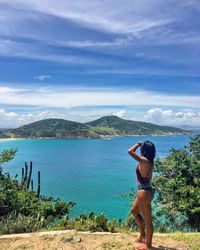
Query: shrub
[(21, 210), (20, 224), (177, 182)]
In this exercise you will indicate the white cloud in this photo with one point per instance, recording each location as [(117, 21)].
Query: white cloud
[(26, 50), (85, 114), (121, 16), (66, 97), (15, 119), (89, 43), (138, 24), (120, 113), (128, 18), (42, 77), (170, 117), (118, 16), (9, 119)]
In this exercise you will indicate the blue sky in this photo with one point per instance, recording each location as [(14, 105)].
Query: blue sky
[(80, 60)]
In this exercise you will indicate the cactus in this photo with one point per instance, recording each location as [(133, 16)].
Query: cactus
[(83, 218), (22, 180), (101, 222), (29, 177), (26, 181), (38, 190), (32, 185), (26, 174), (91, 216)]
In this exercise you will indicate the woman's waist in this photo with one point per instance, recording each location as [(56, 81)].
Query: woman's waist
[(144, 182), (144, 186)]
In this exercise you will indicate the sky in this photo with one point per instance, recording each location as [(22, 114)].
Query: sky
[(80, 60)]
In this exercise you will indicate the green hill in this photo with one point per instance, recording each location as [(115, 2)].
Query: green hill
[(129, 127), (2, 135), (58, 128), (105, 126)]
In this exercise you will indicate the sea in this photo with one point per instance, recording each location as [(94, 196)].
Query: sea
[(96, 174)]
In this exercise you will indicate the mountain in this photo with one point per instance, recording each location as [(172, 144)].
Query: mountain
[(192, 128), (105, 126), (52, 128), (2, 135), (124, 127)]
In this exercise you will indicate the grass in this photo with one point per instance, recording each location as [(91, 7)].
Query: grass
[(112, 245), (192, 239), (48, 237), (104, 130), (117, 245)]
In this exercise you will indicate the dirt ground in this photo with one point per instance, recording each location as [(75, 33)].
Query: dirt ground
[(85, 241)]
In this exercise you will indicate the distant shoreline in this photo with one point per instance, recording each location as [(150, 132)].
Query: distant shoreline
[(104, 127), (100, 137)]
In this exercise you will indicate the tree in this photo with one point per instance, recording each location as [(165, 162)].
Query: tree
[(7, 155), (177, 182)]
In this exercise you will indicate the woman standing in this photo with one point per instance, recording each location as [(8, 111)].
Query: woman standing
[(141, 208)]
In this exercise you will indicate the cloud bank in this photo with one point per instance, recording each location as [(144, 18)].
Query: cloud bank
[(170, 117), (69, 97), (155, 115), (84, 104)]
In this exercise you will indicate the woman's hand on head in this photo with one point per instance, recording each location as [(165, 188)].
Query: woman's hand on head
[(140, 143), (137, 157)]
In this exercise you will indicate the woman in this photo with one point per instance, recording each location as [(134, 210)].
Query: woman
[(141, 208)]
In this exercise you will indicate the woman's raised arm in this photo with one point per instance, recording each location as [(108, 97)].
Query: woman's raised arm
[(137, 157)]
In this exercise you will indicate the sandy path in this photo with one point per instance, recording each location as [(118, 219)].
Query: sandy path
[(63, 240)]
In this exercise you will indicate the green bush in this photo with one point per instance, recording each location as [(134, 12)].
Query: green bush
[(178, 187), (91, 223), (20, 224), (21, 210)]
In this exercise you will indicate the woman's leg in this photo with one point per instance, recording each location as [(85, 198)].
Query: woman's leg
[(145, 198), (139, 220)]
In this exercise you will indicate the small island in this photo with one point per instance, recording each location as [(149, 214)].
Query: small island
[(107, 126)]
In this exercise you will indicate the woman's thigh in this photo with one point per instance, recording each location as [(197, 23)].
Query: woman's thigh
[(135, 207), (144, 200)]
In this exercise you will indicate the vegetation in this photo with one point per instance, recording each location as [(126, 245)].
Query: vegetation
[(177, 183), (58, 128), (6, 156), (105, 126), (193, 240), (22, 210), (3, 135), (92, 223), (177, 205), (128, 127)]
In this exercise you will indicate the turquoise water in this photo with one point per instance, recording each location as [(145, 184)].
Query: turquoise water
[(91, 172)]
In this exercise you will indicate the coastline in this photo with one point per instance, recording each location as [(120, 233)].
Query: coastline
[(100, 137), (12, 139)]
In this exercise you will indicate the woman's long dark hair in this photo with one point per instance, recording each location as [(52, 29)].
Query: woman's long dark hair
[(148, 150)]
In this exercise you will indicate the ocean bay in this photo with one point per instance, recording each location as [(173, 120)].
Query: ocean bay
[(91, 172)]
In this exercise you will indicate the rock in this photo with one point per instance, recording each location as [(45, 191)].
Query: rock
[(72, 239), (76, 239), (67, 239)]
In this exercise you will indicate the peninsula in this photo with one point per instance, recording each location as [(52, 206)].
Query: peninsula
[(106, 126)]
